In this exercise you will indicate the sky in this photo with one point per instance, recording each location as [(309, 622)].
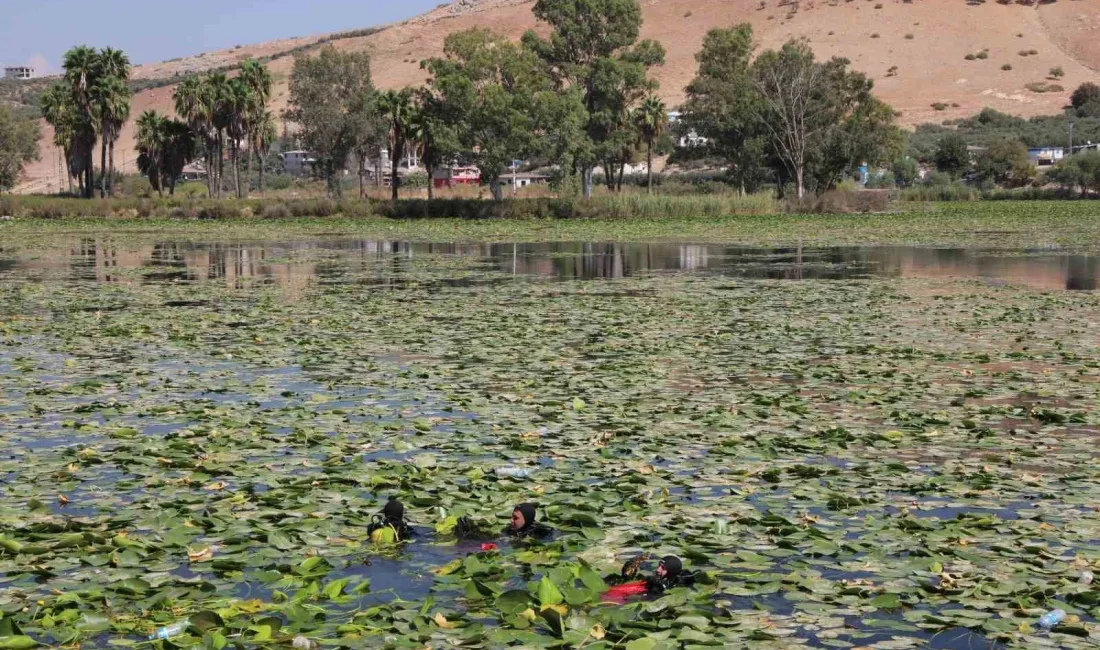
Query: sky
[(38, 32)]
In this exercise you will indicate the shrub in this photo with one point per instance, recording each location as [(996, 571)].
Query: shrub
[(971, 57), (909, 37), (1006, 67), (983, 55), (278, 182), (1057, 72), (875, 35), (1044, 87), (940, 106), (843, 202)]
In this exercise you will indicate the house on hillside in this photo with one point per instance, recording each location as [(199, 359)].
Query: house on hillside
[(193, 172), (1045, 156), (688, 140), (298, 163), (452, 176), (21, 72)]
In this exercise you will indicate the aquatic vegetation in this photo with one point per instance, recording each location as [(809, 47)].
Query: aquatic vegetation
[(877, 460)]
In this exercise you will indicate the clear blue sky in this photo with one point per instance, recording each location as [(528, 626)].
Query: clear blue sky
[(39, 32)]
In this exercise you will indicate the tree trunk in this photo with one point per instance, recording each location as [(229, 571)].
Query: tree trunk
[(586, 182), (395, 163), (649, 167), (221, 163), (496, 190), (111, 169), (798, 174), (362, 173), (622, 172), (248, 173), (235, 152), (262, 193), (103, 169), (89, 173), (431, 181)]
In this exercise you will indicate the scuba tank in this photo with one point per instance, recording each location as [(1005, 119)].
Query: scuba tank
[(382, 532)]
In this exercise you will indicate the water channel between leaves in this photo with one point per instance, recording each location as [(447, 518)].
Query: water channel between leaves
[(896, 449)]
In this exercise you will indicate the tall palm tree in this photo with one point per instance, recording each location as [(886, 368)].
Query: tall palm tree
[(111, 95), (238, 104), (258, 80), (59, 110), (264, 133), (650, 119), (179, 150), (195, 106), (397, 107), (82, 68), (221, 99), (150, 147)]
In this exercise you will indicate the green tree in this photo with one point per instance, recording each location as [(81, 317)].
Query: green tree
[(264, 135), (18, 146), (1005, 160), (497, 97), (952, 156), (399, 110), (1078, 171), (593, 47), (111, 95), (1086, 100), (164, 148), (195, 105), (650, 118), (257, 79), (328, 96), (438, 138), (906, 171), (82, 69), (722, 104), (59, 111)]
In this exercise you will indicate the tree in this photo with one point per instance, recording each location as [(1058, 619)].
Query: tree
[(1086, 100), (164, 148), (195, 105), (398, 109), (1003, 161), (820, 118), (496, 95), (722, 104), (257, 79), (592, 49), (264, 134), (952, 155), (328, 96), (111, 95), (82, 69), (438, 138), (1078, 171), (650, 119), (906, 171), (18, 146), (59, 111)]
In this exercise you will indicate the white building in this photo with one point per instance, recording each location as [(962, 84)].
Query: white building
[(298, 163), (19, 72)]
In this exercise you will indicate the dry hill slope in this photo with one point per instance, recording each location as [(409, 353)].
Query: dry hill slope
[(927, 40)]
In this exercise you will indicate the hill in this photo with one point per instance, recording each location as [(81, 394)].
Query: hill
[(916, 50)]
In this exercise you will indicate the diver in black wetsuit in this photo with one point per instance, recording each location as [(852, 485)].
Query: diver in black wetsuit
[(524, 526), (390, 526), (669, 575)]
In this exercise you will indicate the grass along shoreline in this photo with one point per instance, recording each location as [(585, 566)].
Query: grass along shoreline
[(1009, 225)]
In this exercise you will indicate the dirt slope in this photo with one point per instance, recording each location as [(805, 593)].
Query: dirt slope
[(927, 40)]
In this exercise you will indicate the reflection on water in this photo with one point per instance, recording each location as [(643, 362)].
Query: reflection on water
[(294, 265)]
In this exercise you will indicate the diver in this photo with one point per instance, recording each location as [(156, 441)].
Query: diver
[(389, 526), (524, 525)]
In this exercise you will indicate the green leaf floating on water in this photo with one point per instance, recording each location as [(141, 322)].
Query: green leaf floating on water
[(18, 643), (548, 593)]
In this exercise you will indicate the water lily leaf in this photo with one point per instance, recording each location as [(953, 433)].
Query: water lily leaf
[(548, 593)]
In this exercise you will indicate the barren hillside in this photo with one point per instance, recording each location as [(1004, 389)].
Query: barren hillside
[(927, 41)]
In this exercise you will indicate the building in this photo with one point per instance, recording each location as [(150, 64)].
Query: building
[(452, 176), (688, 140), (193, 172), (298, 163), (1046, 156), (524, 179), (19, 72)]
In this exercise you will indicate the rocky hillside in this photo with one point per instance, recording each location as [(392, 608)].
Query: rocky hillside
[(931, 59)]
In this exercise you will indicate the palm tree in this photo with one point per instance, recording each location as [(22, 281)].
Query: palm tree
[(221, 98), (264, 133), (179, 150), (150, 147), (111, 96), (59, 110), (82, 68), (195, 105), (256, 77), (237, 104), (397, 107), (650, 119)]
